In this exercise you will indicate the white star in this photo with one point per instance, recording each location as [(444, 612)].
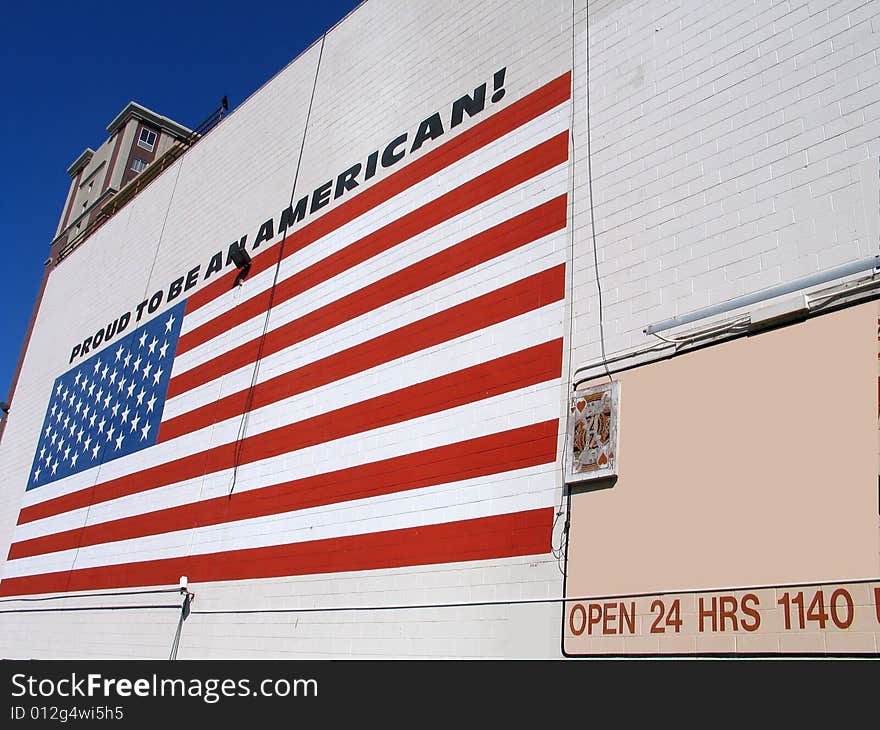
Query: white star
[(87, 442), (119, 442), (84, 384), (143, 338), (157, 376), (67, 453), (101, 424), (127, 359), (42, 452), (48, 430), (58, 416), (169, 323), (66, 421), (72, 428), (104, 373), (60, 445), (64, 394), (163, 349), (71, 398), (76, 379), (137, 364), (95, 451), (97, 366), (140, 396), (153, 345), (115, 408), (130, 388), (79, 434), (121, 384), (54, 438), (92, 419), (110, 432), (107, 400), (145, 430), (48, 459), (99, 395), (135, 421), (150, 404), (55, 466), (147, 369), (74, 458), (58, 389), (37, 474), (119, 352), (113, 376), (85, 413), (91, 389), (125, 414), (78, 407), (54, 408)]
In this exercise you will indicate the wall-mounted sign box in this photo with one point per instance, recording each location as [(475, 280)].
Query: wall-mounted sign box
[(592, 445)]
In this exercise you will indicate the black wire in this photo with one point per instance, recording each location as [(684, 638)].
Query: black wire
[(592, 206), (110, 594), (242, 429), (60, 609), (398, 607)]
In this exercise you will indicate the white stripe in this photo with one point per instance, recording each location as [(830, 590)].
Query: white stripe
[(503, 338), (479, 419), (525, 489), (535, 192), (486, 158), (507, 269), (512, 267)]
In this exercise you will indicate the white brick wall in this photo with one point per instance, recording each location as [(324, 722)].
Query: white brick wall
[(735, 146), (391, 64)]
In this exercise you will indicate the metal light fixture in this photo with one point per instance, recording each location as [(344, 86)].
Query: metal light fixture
[(242, 261)]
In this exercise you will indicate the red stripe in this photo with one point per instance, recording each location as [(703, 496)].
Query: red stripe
[(520, 369), (522, 167), (494, 454), (484, 538), (529, 107), (484, 311)]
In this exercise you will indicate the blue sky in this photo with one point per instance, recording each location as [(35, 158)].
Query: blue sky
[(69, 68)]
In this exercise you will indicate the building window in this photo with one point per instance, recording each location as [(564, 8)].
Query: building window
[(138, 165), (147, 140)]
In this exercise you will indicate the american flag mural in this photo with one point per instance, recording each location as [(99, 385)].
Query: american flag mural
[(400, 405)]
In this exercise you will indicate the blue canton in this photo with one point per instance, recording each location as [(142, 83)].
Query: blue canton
[(109, 405)]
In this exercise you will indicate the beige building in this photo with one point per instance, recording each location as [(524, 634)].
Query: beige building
[(137, 137)]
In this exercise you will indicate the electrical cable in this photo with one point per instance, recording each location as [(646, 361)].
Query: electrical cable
[(60, 609), (558, 552), (146, 291), (242, 430), (110, 594), (592, 205)]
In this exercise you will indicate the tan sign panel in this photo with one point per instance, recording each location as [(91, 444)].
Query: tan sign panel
[(835, 618)]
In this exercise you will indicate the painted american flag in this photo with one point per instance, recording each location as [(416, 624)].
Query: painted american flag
[(406, 404)]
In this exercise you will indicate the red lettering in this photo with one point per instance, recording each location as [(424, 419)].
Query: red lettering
[(842, 623), (877, 603), (583, 620), (706, 613), (629, 618), (727, 609), (610, 616), (594, 615), (751, 612)]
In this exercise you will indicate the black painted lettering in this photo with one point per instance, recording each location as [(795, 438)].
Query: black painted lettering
[(470, 104)]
